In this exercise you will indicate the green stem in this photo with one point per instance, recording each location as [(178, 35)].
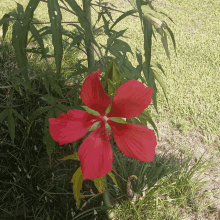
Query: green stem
[(89, 48), (106, 198)]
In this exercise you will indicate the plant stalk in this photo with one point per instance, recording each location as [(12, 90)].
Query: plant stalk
[(106, 199), (89, 48)]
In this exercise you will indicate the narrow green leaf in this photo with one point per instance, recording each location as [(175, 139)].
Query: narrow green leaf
[(123, 46), (38, 50), (166, 16), (165, 44), (106, 26), (161, 82), (5, 19), (99, 16), (130, 12), (99, 183), (135, 121), (95, 126), (122, 60), (77, 180), (29, 12), (138, 3), (147, 42), (79, 29), (91, 111), (11, 106), (146, 116), (139, 56), (18, 44), (46, 81), (17, 80), (14, 14), (113, 38), (82, 69), (154, 35), (151, 13), (56, 27), (3, 114), (156, 64), (38, 38), (18, 115), (5, 25), (132, 3), (151, 83), (49, 99), (50, 144), (28, 18), (73, 156), (57, 112), (129, 71), (45, 31), (11, 125), (82, 20), (64, 3), (63, 107), (108, 109), (20, 11), (107, 12), (109, 42), (76, 41), (36, 113), (113, 178), (171, 35), (118, 120), (50, 114), (55, 86), (120, 33)]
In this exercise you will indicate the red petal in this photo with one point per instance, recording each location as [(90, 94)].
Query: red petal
[(71, 126), (131, 99), (134, 141), (96, 156), (93, 95)]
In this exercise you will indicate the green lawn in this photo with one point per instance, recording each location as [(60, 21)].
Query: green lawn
[(191, 122)]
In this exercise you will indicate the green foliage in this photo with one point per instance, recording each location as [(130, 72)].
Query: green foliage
[(29, 100), (114, 45), (51, 80)]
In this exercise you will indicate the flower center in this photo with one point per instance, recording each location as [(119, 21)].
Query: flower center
[(105, 133), (105, 118)]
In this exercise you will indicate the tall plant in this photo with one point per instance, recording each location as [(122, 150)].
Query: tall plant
[(117, 68)]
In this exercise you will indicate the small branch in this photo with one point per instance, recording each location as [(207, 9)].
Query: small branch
[(120, 176), (98, 55), (121, 12), (112, 9), (83, 196), (62, 8), (65, 22), (70, 91), (77, 48)]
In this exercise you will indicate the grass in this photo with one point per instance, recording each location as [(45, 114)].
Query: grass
[(190, 122)]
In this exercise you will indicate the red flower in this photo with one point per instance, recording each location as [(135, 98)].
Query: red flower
[(95, 152)]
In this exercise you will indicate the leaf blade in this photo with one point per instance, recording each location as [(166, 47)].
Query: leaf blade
[(77, 180), (11, 125), (56, 27)]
